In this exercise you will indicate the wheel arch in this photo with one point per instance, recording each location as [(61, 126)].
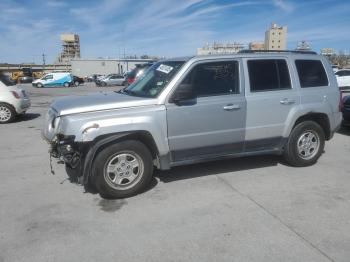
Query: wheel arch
[(320, 118), (103, 141)]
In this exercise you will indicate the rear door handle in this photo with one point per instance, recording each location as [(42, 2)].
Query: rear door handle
[(287, 101), (231, 107)]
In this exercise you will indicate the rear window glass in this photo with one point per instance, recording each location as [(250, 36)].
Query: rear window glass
[(311, 73), (268, 75)]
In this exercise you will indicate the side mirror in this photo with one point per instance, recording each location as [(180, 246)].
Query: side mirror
[(183, 93)]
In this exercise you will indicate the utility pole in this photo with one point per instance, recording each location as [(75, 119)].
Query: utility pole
[(44, 61)]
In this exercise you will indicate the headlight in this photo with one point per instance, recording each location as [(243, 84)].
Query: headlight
[(55, 122)]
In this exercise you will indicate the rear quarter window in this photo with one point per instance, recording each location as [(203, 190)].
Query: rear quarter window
[(311, 73)]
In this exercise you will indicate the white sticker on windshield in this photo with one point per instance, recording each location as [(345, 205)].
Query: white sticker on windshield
[(165, 68)]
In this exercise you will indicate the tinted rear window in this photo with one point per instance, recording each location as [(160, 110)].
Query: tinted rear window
[(268, 75), (311, 73)]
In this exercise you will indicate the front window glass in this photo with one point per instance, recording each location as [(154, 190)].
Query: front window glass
[(47, 77), (214, 78), (154, 80), (6, 80)]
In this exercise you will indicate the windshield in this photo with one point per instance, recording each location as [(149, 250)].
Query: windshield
[(154, 80), (7, 80)]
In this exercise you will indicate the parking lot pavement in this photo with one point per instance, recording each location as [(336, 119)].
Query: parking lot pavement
[(249, 209)]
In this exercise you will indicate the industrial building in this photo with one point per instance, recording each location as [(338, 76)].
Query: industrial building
[(86, 67), (275, 37), (70, 48), (257, 45), (218, 48)]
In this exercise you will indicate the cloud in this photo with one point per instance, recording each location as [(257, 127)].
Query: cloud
[(284, 5)]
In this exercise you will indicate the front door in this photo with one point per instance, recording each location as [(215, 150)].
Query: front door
[(213, 123)]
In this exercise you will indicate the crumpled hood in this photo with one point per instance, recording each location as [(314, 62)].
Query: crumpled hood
[(97, 102)]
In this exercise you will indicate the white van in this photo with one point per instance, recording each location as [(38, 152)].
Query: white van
[(54, 79)]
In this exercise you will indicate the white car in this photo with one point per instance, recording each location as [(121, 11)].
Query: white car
[(343, 78), (13, 100)]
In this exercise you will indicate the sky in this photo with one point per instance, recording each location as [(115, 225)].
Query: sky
[(163, 27)]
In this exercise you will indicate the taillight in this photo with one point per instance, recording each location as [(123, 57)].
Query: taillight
[(341, 102), (14, 93), (131, 80)]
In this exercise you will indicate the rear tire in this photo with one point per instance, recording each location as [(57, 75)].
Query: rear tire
[(123, 169), (7, 113), (305, 144), (66, 84), (76, 83)]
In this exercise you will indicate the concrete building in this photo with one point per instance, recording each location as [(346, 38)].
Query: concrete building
[(70, 48), (257, 45), (276, 37), (86, 67), (218, 48)]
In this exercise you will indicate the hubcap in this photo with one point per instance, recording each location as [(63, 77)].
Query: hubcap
[(308, 145), (123, 171), (5, 114)]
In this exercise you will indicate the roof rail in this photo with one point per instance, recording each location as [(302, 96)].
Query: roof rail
[(247, 51)]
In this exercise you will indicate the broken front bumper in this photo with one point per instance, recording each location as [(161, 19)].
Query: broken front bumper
[(65, 149)]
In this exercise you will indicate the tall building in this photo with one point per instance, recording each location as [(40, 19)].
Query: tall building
[(70, 48), (275, 37), (218, 48), (257, 45)]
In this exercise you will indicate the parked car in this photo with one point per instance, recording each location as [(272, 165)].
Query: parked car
[(111, 80), (343, 78), (14, 100), (335, 68), (346, 110), (53, 80), (136, 73), (25, 79), (190, 110), (76, 81)]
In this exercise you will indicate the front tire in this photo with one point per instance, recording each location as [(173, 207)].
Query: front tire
[(7, 113), (76, 83), (305, 144), (73, 173), (39, 85), (123, 169), (66, 84)]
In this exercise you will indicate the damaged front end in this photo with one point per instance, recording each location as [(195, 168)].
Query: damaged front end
[(65, 149), (69, 153)]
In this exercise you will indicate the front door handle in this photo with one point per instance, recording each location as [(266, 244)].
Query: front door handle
[(287, 101), (231, 107)]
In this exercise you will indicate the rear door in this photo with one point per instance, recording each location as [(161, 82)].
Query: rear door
[(270, 95), (213, 123)]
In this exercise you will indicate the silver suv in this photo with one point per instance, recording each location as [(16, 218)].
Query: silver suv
[(189, 110)]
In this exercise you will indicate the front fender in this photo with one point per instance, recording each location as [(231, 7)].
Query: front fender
[(91, 154)]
